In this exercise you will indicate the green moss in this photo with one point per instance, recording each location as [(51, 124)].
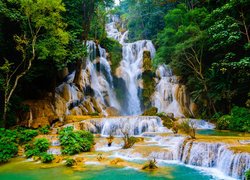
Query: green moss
[(148, 80), (150, 112), (167, 122)]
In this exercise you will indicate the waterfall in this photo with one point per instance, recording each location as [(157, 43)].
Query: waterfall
[(170, 96), (130, 70), (131, 66), (96, 75)]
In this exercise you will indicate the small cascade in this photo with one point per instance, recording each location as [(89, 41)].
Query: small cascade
[(233, 164), (170, 96), (133, 125), (198, 124)]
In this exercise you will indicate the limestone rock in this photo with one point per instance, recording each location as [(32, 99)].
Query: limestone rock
[(111, 111), (116, 161)]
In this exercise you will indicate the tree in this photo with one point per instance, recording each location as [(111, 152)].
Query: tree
[(40, 23), (88, 11)]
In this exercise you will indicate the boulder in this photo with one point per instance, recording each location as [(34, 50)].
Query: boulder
[(111, 111)]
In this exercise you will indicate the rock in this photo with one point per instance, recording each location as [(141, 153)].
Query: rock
[(42, 112), (63, 73), (79, 159), (84, 110), (20, 151), (66, 92), (111, 111), (40, 122), (116, 161), (58, 124), (97, 105), (36, 158), (60, 106), (89, 106), (170, 115), (76, 111), (57, 159)]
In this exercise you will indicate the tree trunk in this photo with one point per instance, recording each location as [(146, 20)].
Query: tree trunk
[(5, 114), (78, 73)]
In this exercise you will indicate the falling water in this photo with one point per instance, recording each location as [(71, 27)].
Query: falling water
[(131, 66), (130, 70), (164, 97), (100, 80)]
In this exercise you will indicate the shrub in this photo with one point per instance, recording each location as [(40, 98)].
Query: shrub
[(32, 152), (223, 122), (26, 135), (47, 158), (188, 127), (74, 142), (166, 121), (237, 120), (41, 144), (247, 174), (37, 148), (70, 162), (129, 141), (150, 165), (8, 144), (44, 129), (240, 120)]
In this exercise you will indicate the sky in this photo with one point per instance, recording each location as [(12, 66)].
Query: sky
[(116, 2)]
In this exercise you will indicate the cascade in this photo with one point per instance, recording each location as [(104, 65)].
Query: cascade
[(169, 96), (97, 75), (116, 126), (130, 70)]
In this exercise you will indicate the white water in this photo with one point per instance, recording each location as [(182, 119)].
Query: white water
[(164, 97), (133, 125), (130, 70), (101, 82), (131, 66)]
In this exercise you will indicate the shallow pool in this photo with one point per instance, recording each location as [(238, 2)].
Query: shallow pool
[(21, 170)]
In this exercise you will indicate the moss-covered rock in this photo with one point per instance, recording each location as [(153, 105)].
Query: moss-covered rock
[(167, 121), (148, 85), (150, 112)]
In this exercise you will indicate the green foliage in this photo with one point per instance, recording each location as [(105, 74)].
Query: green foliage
[(223, 122), (237, 120), (167, 122), (144, 19), (37, 148), (114, 49), (74, 142), (70, 162), (247, 174), (240, 119), (47, 158), (188, 127), (44, 129), (128, 140), (26, 135), (41, 144), (8, 144)]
